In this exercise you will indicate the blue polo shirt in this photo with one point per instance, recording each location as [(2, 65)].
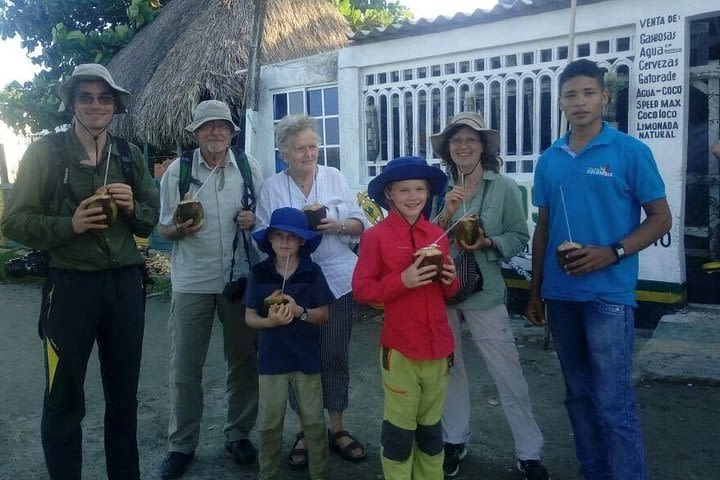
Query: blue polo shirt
[(604, 187), (293, 347)]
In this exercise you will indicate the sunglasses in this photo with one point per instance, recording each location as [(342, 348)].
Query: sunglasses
[(88, 99)]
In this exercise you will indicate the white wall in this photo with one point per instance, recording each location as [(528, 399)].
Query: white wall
[(660, 262)]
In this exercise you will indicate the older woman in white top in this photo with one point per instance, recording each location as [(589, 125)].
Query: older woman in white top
[(305, 182)]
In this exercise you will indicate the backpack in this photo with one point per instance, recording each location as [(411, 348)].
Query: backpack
[(186, 178), (56, 186)]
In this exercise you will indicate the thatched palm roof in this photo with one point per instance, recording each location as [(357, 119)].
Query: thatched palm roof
[(193, 49)]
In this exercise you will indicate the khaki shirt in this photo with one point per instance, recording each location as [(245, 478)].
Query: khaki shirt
[(26, 221)]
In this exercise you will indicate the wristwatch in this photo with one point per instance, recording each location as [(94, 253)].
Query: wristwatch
[(619, 250), (304, 316)]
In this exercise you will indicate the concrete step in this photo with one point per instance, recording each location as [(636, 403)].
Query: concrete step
[(684, 348)]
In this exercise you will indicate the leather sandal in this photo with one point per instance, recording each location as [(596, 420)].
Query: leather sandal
[(346, 452), (297, 452)]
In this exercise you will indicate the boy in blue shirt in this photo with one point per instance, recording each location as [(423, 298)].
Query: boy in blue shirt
[(590, 187), (288, 347)]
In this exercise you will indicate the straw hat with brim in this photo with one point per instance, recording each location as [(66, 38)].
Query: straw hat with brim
[(208, 111), (472, 120), (92, 72), (291, 220), (405, 168)]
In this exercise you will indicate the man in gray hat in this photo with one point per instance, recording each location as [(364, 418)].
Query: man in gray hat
[(94, 292), (207, 261)]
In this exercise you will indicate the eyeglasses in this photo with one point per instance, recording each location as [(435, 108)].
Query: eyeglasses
[(470, 141), (216, 124), (88, 98)]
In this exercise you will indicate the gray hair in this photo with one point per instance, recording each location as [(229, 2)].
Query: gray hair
[(290, 126)]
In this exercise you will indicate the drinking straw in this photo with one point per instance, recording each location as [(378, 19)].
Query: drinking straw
[(206, 180), (107, 166), (567, 221), (447, 231), (287, 260)]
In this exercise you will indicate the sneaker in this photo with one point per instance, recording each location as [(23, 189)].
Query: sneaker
[(533, 470), (242, 451), (174, 464), (454, 452)]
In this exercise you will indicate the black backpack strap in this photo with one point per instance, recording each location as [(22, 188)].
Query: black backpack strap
[(57, 179), (126, 160), (185, 178), (248, 200)]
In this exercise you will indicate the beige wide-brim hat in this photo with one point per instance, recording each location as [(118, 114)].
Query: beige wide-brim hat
[(472, 120), (92, 72), (208, 111)]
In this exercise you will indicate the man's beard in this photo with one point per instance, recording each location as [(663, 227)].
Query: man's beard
[(214, 147)]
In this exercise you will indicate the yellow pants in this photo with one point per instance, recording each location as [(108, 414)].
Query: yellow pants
[(412, 445)]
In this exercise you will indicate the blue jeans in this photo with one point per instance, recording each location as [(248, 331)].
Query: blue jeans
[(594, 343)]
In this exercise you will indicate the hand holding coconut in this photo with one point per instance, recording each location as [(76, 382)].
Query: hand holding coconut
[(420, 272), (123, 196), (279, 314), (88, 217), (189, 217), (449, 272), (581, 260)]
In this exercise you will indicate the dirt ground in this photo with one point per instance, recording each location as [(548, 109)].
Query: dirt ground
[(680, 421)]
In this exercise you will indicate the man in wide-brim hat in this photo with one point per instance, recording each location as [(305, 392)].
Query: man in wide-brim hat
[(210, 263), (94, 290)]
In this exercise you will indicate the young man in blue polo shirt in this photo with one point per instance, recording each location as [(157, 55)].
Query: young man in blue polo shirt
[(590, 187), (289, 346)]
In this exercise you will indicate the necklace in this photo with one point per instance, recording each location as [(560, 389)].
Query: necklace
[(290, 196)]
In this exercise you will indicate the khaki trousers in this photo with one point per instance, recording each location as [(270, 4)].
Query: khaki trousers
[(190, 325), (274, 394)]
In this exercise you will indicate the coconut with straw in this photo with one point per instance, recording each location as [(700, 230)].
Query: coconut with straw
[(277, 297), (568, 245), (103, 199), (190, 207), (466, 229)]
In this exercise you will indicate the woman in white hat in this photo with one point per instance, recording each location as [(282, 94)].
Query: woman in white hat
[(469, 150)]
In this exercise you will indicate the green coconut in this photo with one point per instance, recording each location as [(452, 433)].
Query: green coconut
[(276, 298), (466, 229), (108, 204)]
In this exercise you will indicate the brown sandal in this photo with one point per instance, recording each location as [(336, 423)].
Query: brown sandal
[(346, 452), (297, 452)]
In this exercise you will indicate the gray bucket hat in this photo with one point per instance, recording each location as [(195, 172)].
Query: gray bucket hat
[(473, 120), (90, 72), (210, 110)]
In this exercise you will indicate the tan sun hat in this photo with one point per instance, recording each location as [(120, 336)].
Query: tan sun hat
[(92, 72), (472, 120), (208, 111)]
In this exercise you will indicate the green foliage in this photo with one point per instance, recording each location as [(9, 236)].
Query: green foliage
[(59, 35), (367, 14)]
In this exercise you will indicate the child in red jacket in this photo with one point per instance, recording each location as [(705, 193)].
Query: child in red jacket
[(416, 340)]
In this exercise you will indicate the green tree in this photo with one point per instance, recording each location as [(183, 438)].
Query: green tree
[(366, 14), (59, 35)]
